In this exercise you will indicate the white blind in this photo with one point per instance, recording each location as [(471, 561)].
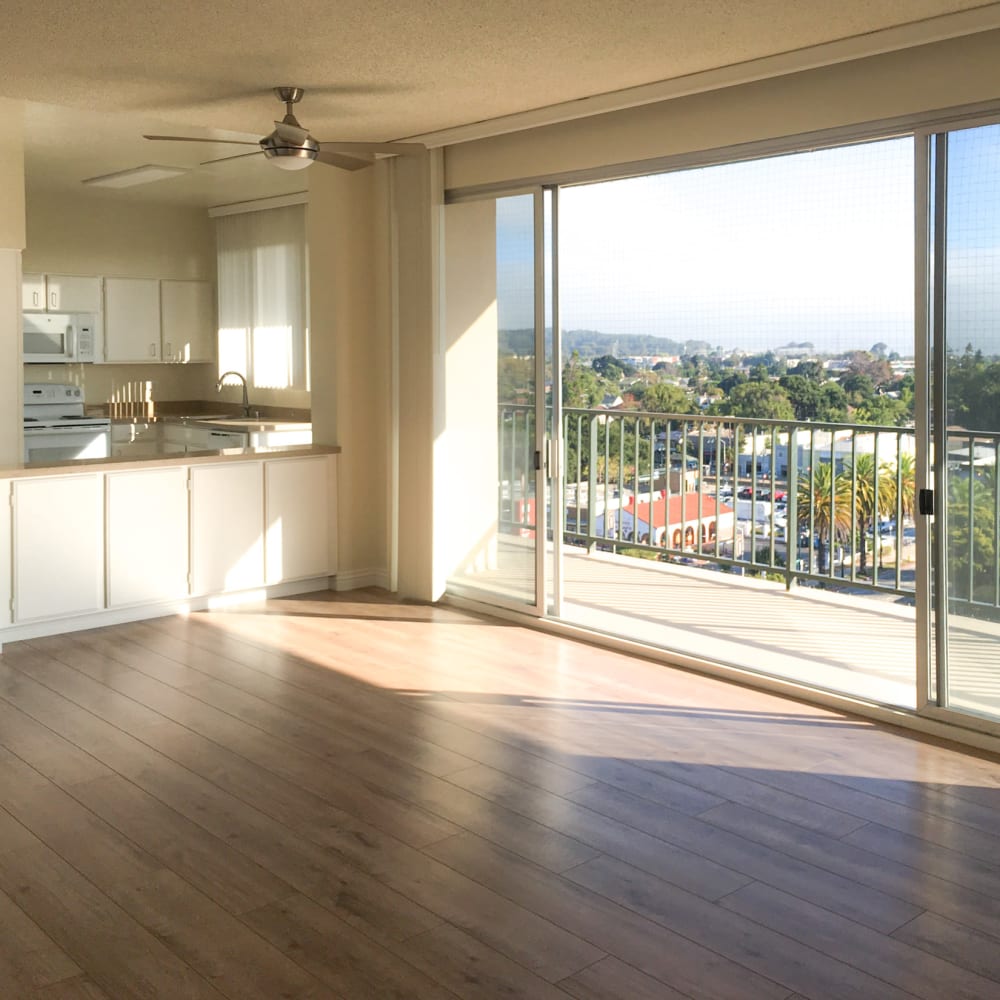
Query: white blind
[(262, 276)]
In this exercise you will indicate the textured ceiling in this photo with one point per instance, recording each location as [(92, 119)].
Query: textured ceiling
[(372, 69)]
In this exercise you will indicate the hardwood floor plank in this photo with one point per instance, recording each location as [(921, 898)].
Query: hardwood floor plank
[(923, 891), (506, 821), (471, 969), (546, 846), (79, 988), (122, 958), (884, 958), (349, 962), (348, 795), (210, 940), (408, 822), (400, 716), (793, 965), (869, 907), (303, 865), (611, 979), (679, 963), (29, 958), (955, 942), (313, 702), (916, 852)]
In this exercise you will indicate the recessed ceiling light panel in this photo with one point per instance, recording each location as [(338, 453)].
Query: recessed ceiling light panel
[(145, 174)]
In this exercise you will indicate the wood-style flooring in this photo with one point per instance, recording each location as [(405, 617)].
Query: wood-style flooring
[(347, 796)]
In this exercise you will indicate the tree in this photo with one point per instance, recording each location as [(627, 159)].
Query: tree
[(666, 398), (822, 498), (581, 385), (972, 547), (874, 492), (610, 367), (761, 400), (883, 410), (825, 402)]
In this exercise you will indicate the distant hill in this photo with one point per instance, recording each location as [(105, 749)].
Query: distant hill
[(592, 344)]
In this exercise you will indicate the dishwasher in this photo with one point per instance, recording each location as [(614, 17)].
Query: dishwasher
[(207, 439)]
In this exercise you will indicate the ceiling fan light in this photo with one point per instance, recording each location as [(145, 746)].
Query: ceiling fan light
[(289, 155)]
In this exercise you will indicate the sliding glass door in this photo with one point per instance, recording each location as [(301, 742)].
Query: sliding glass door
[(966, 255), (494, 400)]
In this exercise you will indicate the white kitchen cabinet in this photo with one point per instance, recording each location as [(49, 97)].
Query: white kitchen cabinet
[(147, 536), (6, 529), (65, 293), (297, 507), (132, 319), (58, 556), (149, 320), (227, 527), (188, 321)]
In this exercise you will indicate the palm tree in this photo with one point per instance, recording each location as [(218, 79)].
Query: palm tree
[(826, 500), (874, 495)]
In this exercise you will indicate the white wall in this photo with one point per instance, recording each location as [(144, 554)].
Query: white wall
[(11, 244), (350, 364)]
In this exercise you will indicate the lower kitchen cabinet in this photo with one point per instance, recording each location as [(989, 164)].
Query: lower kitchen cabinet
[(227, 527), (58, 552), (147, 536), (296, 495)]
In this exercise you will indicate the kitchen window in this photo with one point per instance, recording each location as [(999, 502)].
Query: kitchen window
[(263, 314)]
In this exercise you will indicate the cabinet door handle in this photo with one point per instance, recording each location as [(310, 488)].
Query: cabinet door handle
[(54, 299), (167, 352), (152, 350), (34, 298)]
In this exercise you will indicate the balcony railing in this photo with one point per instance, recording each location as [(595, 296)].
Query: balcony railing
[(825, 503)]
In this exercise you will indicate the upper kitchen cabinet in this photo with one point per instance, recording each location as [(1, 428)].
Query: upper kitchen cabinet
[(187, 314), (64, 293), (149, 320), (132, 319)]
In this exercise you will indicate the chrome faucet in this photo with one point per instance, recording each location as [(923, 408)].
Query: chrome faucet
[(246, 398)]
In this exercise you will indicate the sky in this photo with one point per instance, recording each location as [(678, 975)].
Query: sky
[(815, 246)]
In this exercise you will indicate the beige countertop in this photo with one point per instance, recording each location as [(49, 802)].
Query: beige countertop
[(221, 422), (119, 463)]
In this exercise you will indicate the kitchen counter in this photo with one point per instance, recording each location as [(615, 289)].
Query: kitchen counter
[(220, 422), (165, 460)]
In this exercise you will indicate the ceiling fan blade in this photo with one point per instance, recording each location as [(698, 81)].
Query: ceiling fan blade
[(355, 161), (189, 138), (290, 133), (238, 156), (387, 148)]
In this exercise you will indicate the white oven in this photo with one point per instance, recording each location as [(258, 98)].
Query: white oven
[(59, 338), (57, 430)]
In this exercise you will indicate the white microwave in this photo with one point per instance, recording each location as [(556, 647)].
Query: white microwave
[(59, 338)]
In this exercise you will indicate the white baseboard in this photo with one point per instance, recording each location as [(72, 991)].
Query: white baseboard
[(357, 579), (141, 612)]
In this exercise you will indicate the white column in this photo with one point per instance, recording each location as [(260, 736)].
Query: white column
[(12, 242)]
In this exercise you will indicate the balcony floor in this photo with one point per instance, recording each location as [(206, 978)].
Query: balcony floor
[(855, 644)]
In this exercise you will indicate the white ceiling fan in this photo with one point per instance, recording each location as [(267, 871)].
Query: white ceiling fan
[(291, 147)]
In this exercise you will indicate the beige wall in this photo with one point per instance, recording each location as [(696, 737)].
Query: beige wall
[(350, 364), (98, 235), (11, 244), (942, 75), (421, 413), (466, 486)]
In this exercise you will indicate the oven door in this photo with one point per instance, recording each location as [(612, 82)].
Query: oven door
[(60, 444)]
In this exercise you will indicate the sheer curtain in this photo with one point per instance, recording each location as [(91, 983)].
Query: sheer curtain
[(262, 274)]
